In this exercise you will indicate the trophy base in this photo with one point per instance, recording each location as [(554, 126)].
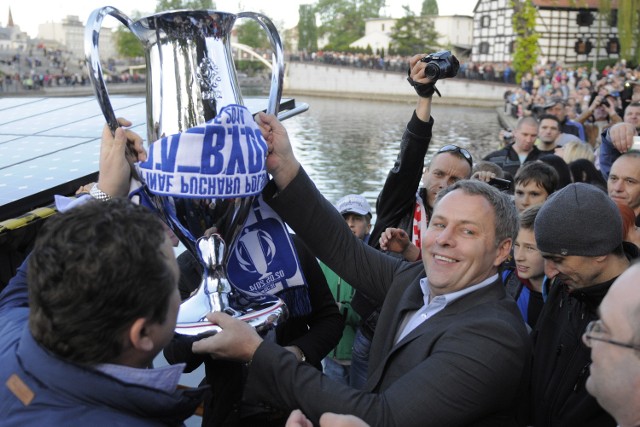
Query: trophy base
[(263, 316)]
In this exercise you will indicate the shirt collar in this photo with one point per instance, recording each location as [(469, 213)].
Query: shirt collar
[(164, 378), (450, 297)]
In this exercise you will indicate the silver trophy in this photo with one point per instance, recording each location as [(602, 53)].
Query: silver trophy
[(191, 77)]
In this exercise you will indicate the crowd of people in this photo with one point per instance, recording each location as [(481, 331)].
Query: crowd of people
[(502, 72), (499, 291)]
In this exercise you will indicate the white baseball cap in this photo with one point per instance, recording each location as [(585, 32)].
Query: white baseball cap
[(353, 203)]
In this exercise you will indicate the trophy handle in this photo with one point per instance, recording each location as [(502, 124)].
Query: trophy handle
[(91, 37), (277, 59)]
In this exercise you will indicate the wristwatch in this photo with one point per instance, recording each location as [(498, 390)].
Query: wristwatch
[(98, 194), (303, 358)]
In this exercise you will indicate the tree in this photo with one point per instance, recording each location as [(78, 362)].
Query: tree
[(307, 29), (251, 33), (343, 20), (628, 22), (164, 5), (429, 7), (127, 44), (523, 21), (413, 34)]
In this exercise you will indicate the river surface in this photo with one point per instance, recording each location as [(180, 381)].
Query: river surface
[(348, 146)]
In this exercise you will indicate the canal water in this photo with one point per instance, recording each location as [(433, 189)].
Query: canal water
[(348, 146)]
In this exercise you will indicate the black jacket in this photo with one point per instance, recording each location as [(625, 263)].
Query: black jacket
[(396, 203), (561, 361), (316, 335), (508, 160)]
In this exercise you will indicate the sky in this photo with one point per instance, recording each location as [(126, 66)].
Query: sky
[(28, 14)]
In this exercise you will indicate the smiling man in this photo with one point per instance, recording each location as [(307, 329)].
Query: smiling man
[(579, 233), (449, 349), (623, 184)]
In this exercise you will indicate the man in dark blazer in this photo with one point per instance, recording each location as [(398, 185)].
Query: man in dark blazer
[(450, 349)]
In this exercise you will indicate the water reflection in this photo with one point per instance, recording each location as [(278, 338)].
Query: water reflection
[(348, 146)]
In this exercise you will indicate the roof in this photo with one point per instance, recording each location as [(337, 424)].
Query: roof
[(573, 4)]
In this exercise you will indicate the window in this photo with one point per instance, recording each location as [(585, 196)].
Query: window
[(584, 18), (484, 47), (485, 21)]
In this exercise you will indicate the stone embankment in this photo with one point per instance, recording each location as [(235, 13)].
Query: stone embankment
[(328, 80)]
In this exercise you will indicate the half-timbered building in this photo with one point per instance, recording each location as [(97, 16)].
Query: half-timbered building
[(571, 31)]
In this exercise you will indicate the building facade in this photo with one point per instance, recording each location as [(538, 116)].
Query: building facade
[(70, 33), (454, 30), (570, 31)]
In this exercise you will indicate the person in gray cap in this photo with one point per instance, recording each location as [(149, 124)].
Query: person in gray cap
[(579, 234), (356, 211)]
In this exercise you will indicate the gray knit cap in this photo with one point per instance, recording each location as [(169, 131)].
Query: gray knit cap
[(579, 219)]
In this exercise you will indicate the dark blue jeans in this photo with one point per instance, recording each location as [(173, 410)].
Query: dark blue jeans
[(359, 360)]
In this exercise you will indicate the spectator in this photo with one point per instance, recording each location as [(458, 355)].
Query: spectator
[(619, 138), (582, 170), (522, 150), (579, 233), (356, 211), (564, 174), (524, 283), (575, 150), (102, 303), (534, 183), (624, 181), (614, 341), (556, 107), (548, 133)]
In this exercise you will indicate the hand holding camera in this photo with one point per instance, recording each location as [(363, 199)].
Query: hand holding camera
[(439, 65)]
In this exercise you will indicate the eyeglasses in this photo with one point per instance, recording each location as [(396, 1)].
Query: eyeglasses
[(595, 327), (455, 149)]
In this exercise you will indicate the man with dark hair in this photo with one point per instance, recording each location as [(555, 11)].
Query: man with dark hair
[(557, 107), (534, 183), (614, 341), (102, 303), (523, 149), (548, 133), (578, 230), (450, 347)]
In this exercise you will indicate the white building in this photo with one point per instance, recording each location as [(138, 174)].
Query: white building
[(455, 31), (70, 33)]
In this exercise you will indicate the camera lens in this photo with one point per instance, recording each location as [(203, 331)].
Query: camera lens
[(432, 71)]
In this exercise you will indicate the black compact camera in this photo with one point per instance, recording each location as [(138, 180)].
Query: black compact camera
[(441, 65), (500, 184)]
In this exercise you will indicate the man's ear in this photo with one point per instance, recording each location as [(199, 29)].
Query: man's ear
[(139, 335), (503, 252)]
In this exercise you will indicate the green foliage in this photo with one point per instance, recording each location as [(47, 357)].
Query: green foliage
[(307, 29), (251, 33), (413, 34), (249, 67), (127, 44), (628, 24), (526, 49), (343, 20), (164, 5), (429, 7)]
